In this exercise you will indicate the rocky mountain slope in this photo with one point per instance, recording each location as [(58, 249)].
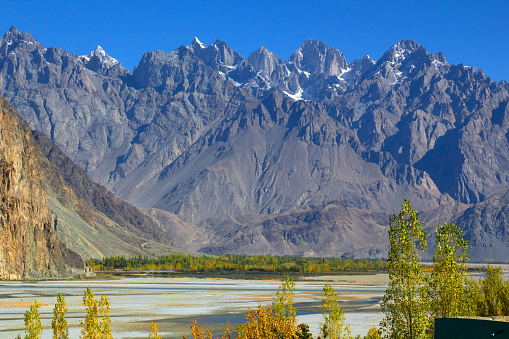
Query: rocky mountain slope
[(28, 246), (90, 220), (203, 137), (53, 217)]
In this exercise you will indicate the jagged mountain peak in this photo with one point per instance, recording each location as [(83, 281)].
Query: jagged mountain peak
[(14, 35), (218, 56), (399, 51), (314, 56), (365, 60), (367, 57), (219, 42), (196, 43), (262, 52), (99, 51), (314, 42), (404, 57), (13, 30), (103, 57)]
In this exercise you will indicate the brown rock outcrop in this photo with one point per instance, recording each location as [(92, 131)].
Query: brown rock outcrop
[(28, 246)]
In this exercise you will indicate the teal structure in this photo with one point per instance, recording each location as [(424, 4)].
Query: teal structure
[(471, 328)]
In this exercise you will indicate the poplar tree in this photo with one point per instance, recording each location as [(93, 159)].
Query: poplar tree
[(33, 327), (448, 276), (334, 326), (93, 328), (283, 306), (59, 324), (494, 294), (406, 300)]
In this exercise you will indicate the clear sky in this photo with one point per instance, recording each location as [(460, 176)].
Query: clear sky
[(475, 33)]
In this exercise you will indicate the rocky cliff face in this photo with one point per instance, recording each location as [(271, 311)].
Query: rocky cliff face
[(205, 134), (28, 246), (50, 223)]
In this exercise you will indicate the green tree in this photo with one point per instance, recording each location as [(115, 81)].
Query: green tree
[(448, 276), (33, 327), (93, 328), (59, 324), (334, 326), (283, 306), (406, 300), (472, 297), (494, 294)]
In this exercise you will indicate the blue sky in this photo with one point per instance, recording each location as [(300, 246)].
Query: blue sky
[(475, 33)]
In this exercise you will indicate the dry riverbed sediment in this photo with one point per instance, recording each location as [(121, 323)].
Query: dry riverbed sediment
[(173, 303)]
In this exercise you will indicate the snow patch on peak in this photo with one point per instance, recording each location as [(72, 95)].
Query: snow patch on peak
[(197, 42), (398, 52), (297, 96), (14, 35), (102, 55)]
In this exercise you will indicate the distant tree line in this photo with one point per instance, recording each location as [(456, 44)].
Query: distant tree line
[(262, 263)]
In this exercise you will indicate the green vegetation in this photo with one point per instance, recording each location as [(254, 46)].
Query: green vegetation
[(262, 263), (414, 297), (334, 326), (493, 296), (406, 300), (283, 306), (448, 276), (59, 324), (93, 328), (33, 327)]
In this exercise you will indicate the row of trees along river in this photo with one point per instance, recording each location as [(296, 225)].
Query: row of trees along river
[(262, 263), (415, 295)]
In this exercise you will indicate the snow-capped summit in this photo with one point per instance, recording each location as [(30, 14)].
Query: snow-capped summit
[(196, 43), (102, 56)]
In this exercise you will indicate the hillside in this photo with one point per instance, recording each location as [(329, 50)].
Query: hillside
[(28, 246), (214, 144)]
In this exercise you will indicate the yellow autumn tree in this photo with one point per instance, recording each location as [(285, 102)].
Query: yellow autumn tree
[(93, 327), (59, 324), (33, 327)]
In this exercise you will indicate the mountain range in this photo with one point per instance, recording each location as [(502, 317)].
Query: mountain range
[(308, 156)]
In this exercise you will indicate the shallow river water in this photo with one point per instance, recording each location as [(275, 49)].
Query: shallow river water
[(173, 303)]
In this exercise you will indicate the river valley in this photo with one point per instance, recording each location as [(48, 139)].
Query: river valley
[(173, 303)]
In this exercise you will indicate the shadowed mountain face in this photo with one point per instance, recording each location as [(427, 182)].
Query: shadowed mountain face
[(209, 137)]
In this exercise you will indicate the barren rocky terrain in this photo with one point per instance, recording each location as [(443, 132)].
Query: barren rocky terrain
[(259, 155)]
